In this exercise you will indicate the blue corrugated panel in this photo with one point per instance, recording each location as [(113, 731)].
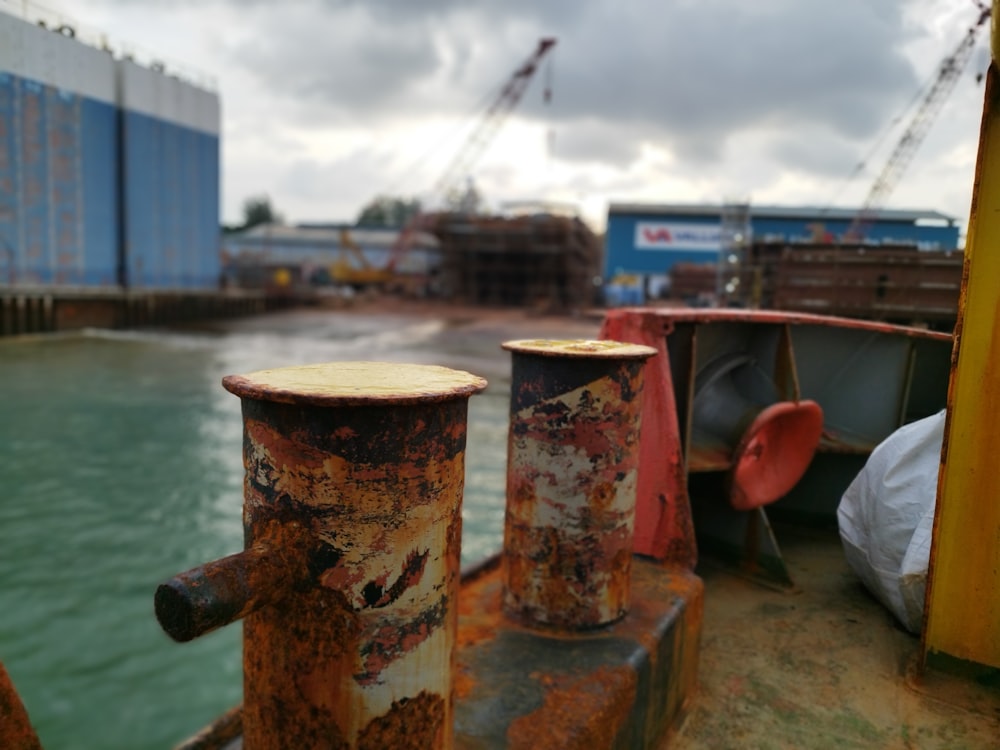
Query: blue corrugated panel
[(8, 174), (138, 189), (206, 206), (34, 187), (63, 111), (57, 186), (171, 204), (100, 192), (187, 231)]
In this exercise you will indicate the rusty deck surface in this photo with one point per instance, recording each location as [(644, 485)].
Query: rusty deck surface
[(823, 667)]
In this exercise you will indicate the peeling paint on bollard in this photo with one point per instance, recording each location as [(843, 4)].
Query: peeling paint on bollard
[(571, 473), (354, 478)]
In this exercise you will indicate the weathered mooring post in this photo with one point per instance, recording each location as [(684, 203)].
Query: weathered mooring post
[(349, 577), (571, 481), (16, 732)]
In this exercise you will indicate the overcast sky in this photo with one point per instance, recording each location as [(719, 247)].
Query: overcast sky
[(326, 103)]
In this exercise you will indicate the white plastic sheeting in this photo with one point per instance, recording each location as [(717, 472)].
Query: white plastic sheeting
[(886, 517)]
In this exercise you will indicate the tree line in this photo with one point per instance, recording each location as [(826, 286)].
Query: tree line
[(381, 211)]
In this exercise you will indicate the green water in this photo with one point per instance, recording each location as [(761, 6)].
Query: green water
[(120, 466)]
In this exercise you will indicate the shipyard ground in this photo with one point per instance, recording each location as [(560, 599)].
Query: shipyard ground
[(825, 666)]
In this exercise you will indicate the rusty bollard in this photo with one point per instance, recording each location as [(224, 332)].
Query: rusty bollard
[(571, 481), (16, 732), (348, 581)]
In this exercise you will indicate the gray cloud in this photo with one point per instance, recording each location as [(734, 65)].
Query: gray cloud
[(688, 75), (810, 83)]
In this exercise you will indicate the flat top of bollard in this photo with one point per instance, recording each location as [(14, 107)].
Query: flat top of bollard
[(604, 349), (355, 384)]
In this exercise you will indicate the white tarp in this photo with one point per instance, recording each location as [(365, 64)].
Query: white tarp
[(887, 514)]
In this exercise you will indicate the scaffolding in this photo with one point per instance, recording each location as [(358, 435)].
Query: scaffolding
[(735, 238), (541, 262)]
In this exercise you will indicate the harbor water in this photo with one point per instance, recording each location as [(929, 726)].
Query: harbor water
[(121, 466)]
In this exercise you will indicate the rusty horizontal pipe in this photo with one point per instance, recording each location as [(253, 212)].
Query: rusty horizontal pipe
[(215, 594)]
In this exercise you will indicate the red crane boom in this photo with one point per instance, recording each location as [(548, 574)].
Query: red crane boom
[(478, 140)]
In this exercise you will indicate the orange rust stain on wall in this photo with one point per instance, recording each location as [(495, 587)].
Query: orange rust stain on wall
[(602, 496), (283, 450), (469, 635), (585, 714), (481, 594), (410, 724), (619, 580), (463, 683), (314, 650)]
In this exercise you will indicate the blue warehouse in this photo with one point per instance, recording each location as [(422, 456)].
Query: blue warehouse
[(109, 170), (647, 240)]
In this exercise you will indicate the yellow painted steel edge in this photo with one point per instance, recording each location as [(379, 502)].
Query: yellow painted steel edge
[(962, 618), (995, 30)]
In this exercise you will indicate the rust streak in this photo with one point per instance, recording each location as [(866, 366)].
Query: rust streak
[(584, 714), (411, 724)]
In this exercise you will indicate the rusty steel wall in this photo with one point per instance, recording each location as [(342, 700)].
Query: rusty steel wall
[(571, 480)]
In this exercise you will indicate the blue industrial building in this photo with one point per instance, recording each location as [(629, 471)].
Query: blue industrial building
[(648, 240), (109, 171)]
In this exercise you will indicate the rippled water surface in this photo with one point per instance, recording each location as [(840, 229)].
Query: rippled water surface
[(120, 466)]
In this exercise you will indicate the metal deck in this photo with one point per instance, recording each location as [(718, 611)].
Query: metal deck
[(824, 666)]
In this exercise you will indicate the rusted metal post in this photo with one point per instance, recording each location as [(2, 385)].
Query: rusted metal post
[(349, 579), (571, 480), (16, 732)]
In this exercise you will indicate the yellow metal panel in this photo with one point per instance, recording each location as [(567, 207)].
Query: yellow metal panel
[(995, 30), (963, 601)]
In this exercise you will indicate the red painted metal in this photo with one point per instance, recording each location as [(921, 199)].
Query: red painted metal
[(663, 319), (663, 526), (348, 584), (572, 464), (663, 512), (774, 453)]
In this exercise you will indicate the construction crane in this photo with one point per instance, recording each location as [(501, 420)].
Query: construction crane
[(474, 146), (472, 149), (948, 74), (491, 121)]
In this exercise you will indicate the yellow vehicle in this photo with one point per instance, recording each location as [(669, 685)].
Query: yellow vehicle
[(359, 273)]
